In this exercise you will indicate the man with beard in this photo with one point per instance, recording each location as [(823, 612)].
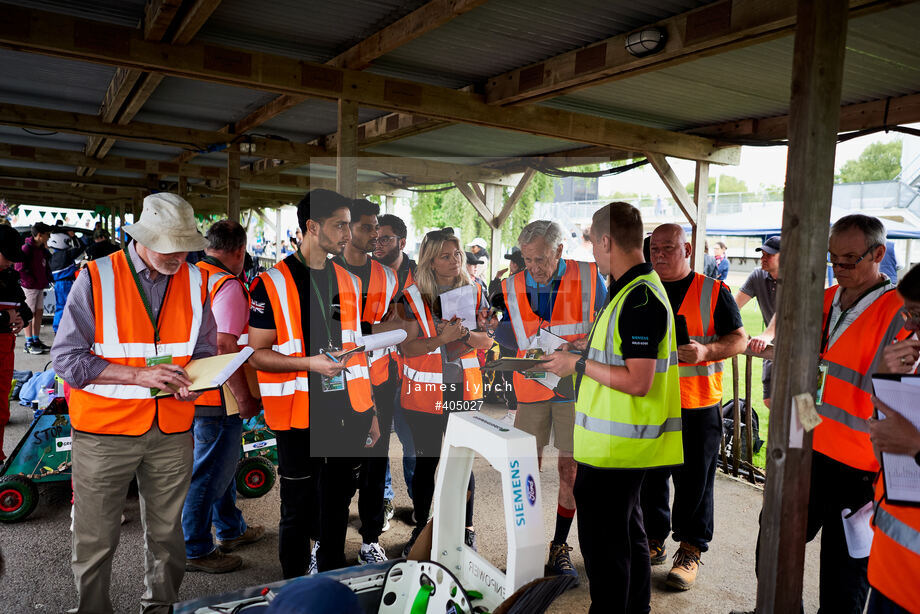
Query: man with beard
[(378, 291), (305, 314)]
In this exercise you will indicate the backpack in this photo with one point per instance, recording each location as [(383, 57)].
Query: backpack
[(728, 429)]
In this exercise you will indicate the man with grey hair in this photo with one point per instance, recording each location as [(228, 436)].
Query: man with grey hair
[(552, 300), (862, 316), (132, 322)]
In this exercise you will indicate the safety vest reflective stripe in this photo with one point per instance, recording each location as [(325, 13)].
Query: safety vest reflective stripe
[(832, 412), (587, 298), (283, 389), (143, 350), (514, 311), (422, 376), (243, 340), (420, 309), (706, 301), (630, 431), (581, 328), (904, 534), (215, 277), (704, 339), (704, 370), (118, 391), (616, 360), (379, 297)]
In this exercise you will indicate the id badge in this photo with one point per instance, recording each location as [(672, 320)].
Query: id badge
[(335, 383), (152, 361), (534, 375), (822, 377)]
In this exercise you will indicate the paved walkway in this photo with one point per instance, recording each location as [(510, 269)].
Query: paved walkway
[(37, 551)]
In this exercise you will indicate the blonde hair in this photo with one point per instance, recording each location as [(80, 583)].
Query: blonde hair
[(425, 277)]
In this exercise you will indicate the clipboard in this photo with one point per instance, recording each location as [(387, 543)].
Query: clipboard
[(210, 373), (899, 391), (512, 364)]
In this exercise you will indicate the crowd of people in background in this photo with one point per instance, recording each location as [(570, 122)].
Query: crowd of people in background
[(632, 340)]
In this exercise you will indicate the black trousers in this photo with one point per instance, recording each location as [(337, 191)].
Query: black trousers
[(835, 486), (373, 474), (428, 435), (616, 555), (299, 473), (694, 481)]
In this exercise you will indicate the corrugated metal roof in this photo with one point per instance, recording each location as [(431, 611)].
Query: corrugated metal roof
[(199, 104), (120, 12), (313, 30), (311, 119), (461, 142), (502, 35), (52, 83), (882, 59)]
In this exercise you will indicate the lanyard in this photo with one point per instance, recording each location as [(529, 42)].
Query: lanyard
[(827, 333), (144, 299), (319, 299)]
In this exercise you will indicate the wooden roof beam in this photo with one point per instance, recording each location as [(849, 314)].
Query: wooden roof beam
[(59, 35), (424, 19), (16, 173), (171, 136), (702, 32), (130, 89), (862, 116)]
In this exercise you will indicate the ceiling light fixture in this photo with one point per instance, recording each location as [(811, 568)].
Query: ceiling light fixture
[(646, 42)]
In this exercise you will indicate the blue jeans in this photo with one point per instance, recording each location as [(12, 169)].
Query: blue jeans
[(212, 493), (61, 291), (404, 433)]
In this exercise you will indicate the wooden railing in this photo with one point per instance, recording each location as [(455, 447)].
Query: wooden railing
[(743, 466)]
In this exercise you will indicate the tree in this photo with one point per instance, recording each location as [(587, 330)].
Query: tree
[(877, 162), (450, 208), (727, 185)]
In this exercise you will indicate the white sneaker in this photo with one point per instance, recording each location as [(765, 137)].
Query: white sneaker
[(371, 553), (312, 570), (508, 418)]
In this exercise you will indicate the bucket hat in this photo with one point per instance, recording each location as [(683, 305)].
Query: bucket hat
[(167, 225)]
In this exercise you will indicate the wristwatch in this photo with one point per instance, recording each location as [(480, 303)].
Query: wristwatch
[(917, 458), (580, 365)]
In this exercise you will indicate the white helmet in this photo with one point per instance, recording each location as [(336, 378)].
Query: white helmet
[(59, 240)]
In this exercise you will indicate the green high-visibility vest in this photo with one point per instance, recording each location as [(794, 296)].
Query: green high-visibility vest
[(615, 430)]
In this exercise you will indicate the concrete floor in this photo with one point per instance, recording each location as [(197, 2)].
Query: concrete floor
[(37, 551)]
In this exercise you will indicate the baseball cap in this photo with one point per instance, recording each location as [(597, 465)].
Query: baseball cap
[(770, 246), (10, 243), (516, 257), (472, 259), (478, 242)]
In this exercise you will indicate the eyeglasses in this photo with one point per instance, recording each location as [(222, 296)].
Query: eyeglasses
[(384, 239), (844, 263)]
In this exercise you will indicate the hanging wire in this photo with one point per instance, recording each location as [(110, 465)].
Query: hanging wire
[(553, 171)]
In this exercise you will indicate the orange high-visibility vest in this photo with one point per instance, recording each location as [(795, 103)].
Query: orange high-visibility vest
[(846, 404), (380, 294), (423, 375), (894, 562), (125, 336), (215, 278), (395, 353), (572, 316), (701, 383), (285, 396)]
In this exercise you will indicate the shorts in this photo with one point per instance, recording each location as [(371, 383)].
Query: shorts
[(35, 298), (767, 378), (538, 418)]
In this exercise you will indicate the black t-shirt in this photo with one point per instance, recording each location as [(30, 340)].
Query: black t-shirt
[(643, 318), (727, 316), (312, 321)]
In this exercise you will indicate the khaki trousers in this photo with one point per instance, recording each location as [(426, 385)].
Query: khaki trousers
[(103, 466)]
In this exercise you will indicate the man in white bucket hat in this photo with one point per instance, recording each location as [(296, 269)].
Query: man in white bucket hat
[(133, 321)]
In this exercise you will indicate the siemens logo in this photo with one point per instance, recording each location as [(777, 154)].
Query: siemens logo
[(517, 493)]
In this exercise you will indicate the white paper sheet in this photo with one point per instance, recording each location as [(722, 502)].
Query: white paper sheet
[(460, 302), (380, 341), (902, 474), (858, 530)]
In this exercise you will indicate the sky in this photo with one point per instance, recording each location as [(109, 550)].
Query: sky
[(760, 166)]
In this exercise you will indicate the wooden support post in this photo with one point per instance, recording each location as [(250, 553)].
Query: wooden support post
[(478, 203), (493, 202), (389, 204), (183, 185), (701, 198), (817, 75), (279, 240), (675, 187), (346, 157), (233, 184)]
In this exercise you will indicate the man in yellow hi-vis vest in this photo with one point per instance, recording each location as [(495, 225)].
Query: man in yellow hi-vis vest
[(627, 412)]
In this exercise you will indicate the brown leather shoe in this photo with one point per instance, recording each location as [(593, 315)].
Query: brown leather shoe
[(686, 565), (216, 562), (252, 534)]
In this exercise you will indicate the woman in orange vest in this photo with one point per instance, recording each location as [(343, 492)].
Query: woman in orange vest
[(440, 370), (894, 562)]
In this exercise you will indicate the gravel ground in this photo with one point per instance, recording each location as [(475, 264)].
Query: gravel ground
[(37, 551)]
